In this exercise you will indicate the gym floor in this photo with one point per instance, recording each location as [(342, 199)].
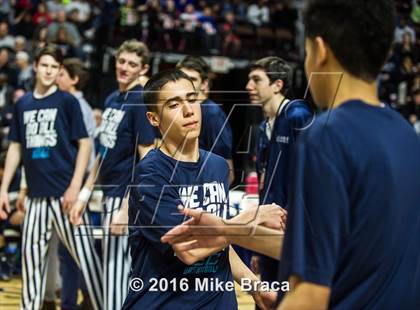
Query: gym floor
[(10, 296)]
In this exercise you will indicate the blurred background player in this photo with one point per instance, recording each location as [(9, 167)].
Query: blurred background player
[(48, 134), (216, 134), (73, 78), (269, 83), (125, 136)]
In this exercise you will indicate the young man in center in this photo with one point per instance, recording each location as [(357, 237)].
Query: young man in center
[(178, 173), (269, 83), (125, 135), (216, 134)]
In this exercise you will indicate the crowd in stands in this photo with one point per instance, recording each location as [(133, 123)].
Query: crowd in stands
[(232, 28)]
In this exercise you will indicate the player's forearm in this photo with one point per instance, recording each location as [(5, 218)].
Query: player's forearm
[(82, 160), (260, 239), (13, 158), (192, 256), (239, 269), (93, 174)]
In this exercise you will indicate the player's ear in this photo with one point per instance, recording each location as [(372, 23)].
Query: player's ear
[(322, 51), (205, 86), (144, 70), (277, 86), (75, 80), (153, 118)]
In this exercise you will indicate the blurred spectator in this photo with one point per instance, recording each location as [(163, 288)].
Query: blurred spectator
[(6, 92), (189, 22), (129, 20), (152, 25), (20, 44), (22, 23), (54, 6), (82, 7), (209, 31), (6, 67), (6, 40), (415, 12), (231, 41), (406, 48), (25, 73), (70, 29), (284, 17), (402, 28), (170, 24), (41, 16), (258, 13), (40, 38), (64, 41)]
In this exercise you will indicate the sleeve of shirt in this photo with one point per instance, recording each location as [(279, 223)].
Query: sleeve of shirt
[(76, 123), (153, 207), (14, 133), (318, 218), (142, 127), (221, 136)]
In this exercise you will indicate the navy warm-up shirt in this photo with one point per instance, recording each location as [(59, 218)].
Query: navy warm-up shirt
[(162, 184), (124, 126), (216, 134), (273, 153), (48, 130), (354, 217)]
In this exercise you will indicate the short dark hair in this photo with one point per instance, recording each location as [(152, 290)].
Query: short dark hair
[(50, 49), (276, 69), (154, 85), (75, 68), (359, 32), (197, 64)]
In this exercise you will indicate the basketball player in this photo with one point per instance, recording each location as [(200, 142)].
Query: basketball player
[(216, 134), (269, 82), (352, 232), (124, 132), (48, 134), (178, 173)]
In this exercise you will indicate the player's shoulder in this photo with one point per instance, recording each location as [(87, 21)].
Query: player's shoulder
[(154, 164), (211, 108), (211, 159), (111, 98), (298, 109), (27, 98)]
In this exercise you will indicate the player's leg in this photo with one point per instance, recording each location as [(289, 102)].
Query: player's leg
[(37, 231), (116, 259), (80, 244)]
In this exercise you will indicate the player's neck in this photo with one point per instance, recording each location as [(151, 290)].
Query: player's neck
[(42, 91), (272, 106), (352, 88), (126, 87), (202, 96), (187, 150)]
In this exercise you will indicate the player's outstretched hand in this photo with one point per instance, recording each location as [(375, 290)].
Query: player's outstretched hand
[(70, 198), (265, 300), (76, 212), (203, 230), (120, 222), (4, 205), (272, 216)]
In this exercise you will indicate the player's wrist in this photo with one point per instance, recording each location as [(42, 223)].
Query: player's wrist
[(84, 195)]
